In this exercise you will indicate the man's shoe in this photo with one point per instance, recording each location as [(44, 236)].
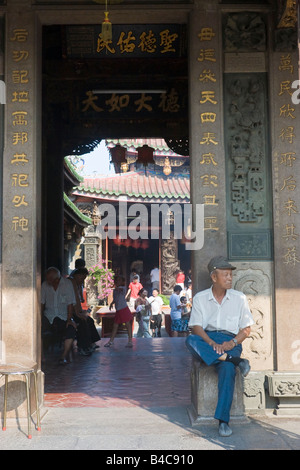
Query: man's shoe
[(244, 367), (224, 430)]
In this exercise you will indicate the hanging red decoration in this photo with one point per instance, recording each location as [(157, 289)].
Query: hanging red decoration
[(127, 243), (118, 241), (118, 154), (145, 155), (145, 244), (136, 244)]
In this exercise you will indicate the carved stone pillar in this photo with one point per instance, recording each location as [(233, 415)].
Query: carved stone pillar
[(92, 253), (169, 264)]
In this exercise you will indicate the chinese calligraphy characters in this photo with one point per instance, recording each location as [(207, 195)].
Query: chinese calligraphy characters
[(20, 178)]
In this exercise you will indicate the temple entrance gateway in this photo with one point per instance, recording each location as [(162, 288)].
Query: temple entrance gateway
[(236, 113), (141, 211)]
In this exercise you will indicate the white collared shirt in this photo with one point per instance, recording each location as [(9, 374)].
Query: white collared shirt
[(233, 314), (56, 301)]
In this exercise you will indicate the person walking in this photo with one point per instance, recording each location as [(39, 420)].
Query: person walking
[(156, 303), (175, 306), (123, 313), (154, 277), (143, 311)]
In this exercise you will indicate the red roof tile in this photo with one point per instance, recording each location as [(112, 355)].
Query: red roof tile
[(137, 187)]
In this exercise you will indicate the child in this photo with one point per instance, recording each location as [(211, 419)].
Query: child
[(143, 314), (133, 290), (185, 315), (123, 314)]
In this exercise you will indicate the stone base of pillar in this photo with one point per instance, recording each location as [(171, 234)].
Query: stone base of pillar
[(254, 393), (204, 395), (285, 386)]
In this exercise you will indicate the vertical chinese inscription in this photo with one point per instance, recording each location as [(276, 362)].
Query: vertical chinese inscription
[(209, 101), (19, 116), (287, 161)]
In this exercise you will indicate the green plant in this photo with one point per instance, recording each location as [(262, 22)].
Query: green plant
[(165, 298), (103, 277)]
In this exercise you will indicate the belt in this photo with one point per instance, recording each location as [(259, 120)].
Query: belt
[(221, 331)]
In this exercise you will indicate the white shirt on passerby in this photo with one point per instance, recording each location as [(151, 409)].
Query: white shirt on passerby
[(156, 304), (154, 275), (56, 301), (231, 315)]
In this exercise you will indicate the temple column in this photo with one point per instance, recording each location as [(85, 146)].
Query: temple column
[(284, 382), (21, 194), (207, 160)]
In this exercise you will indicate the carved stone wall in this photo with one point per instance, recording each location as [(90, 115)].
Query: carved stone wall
[(248, 198), (92, 251), (286, 388), (255, 281)]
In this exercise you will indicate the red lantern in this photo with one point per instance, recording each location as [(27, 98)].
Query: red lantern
[(136, 244), (118, 154), (127, 243), (118, 241), (145, 155), (145, 244)]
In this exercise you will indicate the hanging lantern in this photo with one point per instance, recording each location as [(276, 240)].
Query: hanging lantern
[(118, 241), (118, 154), (127, 243), (136, 244), (145, 244), (106, 31), (167, 169), (145, 155)]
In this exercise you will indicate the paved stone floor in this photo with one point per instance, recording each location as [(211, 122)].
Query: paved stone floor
[(155, 372), (127, 401)]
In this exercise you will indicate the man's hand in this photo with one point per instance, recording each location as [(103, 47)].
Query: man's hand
[(222, 348), (72, 323)]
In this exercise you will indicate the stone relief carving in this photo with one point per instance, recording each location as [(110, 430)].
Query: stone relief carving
[(169, 264), (254, 393), (255, 284), (246, 147), (244, 32), (284, 385), (248, 200)]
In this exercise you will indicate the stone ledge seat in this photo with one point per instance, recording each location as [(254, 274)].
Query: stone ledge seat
[(204, 395)]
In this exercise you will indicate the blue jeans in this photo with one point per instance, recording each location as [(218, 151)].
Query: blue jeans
[(226, 370), (143, 330)]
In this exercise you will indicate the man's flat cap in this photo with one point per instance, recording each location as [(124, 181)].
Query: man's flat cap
[(219, 262)]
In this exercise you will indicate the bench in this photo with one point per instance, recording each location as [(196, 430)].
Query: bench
[(204, 394), (107, 317)]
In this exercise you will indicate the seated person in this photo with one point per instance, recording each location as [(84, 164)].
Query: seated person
[(58, 302), (87, 334)]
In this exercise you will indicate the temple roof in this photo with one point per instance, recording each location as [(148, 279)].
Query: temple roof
[(138, 186), (74, 213)]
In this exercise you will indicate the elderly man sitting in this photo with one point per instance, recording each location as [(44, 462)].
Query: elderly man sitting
[(58, 302), (220, 321)]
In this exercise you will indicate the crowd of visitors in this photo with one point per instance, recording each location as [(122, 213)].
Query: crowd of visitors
[(215, 327), (67, 320)]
